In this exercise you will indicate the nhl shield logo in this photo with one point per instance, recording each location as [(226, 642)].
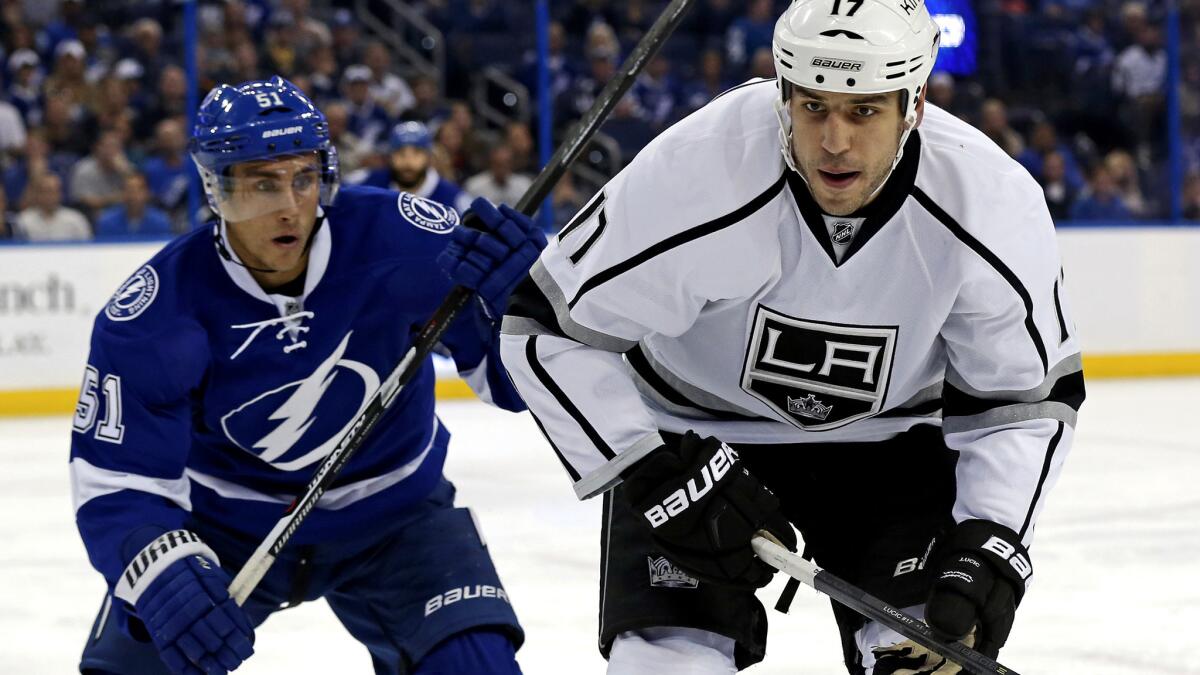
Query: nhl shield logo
[(134, 296), (818, 375), (843, 232), (664, 574)]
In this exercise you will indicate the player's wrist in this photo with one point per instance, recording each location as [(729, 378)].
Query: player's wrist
[(997, 546), (155, 558)]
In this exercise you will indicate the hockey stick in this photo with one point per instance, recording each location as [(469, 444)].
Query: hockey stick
[(264, 556), (872, 607)]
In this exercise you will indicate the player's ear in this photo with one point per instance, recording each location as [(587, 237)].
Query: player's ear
[(920, 107)]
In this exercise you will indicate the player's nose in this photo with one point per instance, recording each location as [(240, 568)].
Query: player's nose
[(836, 135)]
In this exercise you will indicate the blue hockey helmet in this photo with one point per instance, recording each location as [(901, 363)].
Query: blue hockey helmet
[(406, 134), (255, 121)]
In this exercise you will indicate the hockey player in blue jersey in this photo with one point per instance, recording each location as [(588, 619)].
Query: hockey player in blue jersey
[(223, 370), (409, 169)]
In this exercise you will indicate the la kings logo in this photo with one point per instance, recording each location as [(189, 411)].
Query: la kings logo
[(817, 375), (665, 574)]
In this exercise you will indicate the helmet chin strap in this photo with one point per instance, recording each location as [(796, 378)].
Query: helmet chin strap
[(223, 250)]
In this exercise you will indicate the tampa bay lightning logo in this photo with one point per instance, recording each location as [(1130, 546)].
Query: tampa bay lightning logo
[(427, 214), (134, 296), (298, 424)]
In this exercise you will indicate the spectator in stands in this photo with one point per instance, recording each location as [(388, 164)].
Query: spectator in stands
[(65, 26), (656, 91), (135, 214), (1042, 141), (368, 120), (1125, 175), (762, 64), (410, 169), (562, 69), (993, 122), (1092, 55), (388, 89), (519, 139), (1133, 18), (322, 68), (347, 47), (634, 18), (46, 218), (427, 101), (709, 82), (25, 83), (146, 39), (1101, 200), (67, 80), (602, 65), (352, 153), (280, 52), (474, 149), (168, 100), (1139, 78), (602, 42), (1060, 196), (63, 126), (945, 93), (110, 103), (306, 32), (449, 159), (36, 160), (747, 34), (499, 184), (98, 180), (169, 169), (12, 131)]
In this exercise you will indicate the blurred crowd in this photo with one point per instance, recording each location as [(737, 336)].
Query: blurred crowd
[(93, 112)]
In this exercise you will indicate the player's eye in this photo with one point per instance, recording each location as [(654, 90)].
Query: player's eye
[(814, 107), (304, 182), (864, 111), (266, 185)]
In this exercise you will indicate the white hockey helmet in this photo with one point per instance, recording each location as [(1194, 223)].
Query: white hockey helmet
[(854, 46)]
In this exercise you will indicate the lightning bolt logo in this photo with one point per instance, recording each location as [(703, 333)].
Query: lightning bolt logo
[(296, 414), (134, 296), (132, 289)]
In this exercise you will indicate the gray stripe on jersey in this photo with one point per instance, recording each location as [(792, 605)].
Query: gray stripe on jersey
[(573, 330), (931, 393), (1070, 365), (691, 391), (609, 475), (1011, 414), (522, 325)]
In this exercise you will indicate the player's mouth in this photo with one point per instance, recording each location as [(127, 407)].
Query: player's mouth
[(286, 241), (838, 179)]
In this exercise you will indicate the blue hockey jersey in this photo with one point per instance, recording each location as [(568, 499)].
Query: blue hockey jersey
[(206, 398), (434, 187)]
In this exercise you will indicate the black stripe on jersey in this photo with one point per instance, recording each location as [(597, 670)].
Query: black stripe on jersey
[(559, 395), (740, 86), (641, 365), (1069, 389), (991, 258), (582, 217), (1037, 493), (920, 410), (578, 255), (1062, 322), (674, 241), (567, 465)]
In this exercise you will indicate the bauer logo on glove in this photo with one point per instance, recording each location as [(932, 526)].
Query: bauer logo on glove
[(678, 501)]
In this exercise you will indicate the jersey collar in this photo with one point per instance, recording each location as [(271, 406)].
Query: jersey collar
[(875, 215), (318, 261)]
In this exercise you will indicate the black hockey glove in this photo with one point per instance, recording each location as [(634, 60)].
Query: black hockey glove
[(979, 581), (702, 507)]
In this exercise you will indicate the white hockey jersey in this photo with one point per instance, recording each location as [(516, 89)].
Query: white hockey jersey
[(704, 289)]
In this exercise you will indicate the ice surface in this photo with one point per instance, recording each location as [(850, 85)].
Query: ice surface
[(1116, 556)]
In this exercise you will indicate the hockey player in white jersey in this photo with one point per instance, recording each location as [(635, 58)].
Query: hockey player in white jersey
[(874, 320)]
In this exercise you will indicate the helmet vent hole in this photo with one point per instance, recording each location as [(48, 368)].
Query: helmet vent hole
[(840, 31), (893, 64), (914, 68), (820, 79), (850, 82), (787, 52)]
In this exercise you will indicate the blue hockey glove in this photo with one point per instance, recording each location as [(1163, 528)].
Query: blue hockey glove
[(181, 597), (493, 254)]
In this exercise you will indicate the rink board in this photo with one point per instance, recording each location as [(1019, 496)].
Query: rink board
[(1134, 293)]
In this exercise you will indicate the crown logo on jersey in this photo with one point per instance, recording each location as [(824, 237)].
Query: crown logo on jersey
[(808, 406), (664, 574)]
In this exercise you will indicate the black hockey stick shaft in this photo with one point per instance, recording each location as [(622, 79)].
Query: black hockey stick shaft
[(808, 573), (264, 556)]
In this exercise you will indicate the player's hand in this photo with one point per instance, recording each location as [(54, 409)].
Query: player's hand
[(702, 507), (978, 582), (493, 253), (197, 628), (910, 658)]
